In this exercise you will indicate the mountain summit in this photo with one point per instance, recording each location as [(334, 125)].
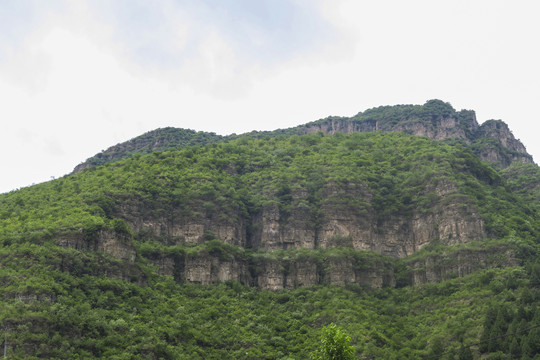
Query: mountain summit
[(492, 141)]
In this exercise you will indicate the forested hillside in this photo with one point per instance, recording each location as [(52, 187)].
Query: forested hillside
[(244, 247), (492, 141), (156, 140)]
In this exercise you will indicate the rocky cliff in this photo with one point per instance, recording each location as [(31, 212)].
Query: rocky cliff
[(496, 144), (492, 141), (110, 242), (338, 222), (118, 262), (340, 266), (444, 265), (439, 128), (275, 272), (346, 219)]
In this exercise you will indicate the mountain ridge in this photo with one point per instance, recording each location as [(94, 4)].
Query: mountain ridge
[(493, 141)]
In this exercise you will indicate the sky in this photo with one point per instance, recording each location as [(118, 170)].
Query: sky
[(77, 77)]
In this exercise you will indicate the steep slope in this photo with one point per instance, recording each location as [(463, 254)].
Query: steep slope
[(524, 179), (492, 141)]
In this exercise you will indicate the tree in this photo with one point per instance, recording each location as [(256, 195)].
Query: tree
[(335, 345), (465, 353), (437, 347), (515, 348)]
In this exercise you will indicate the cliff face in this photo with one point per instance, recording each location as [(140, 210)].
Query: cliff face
[(439, 267), (173, 226), (496, 144), (206, 269), (272, 273), (110, 242), (439, 128), (345, 218), (277, 231), (119, 247), (361, 228), (492, 141), (499, 130)]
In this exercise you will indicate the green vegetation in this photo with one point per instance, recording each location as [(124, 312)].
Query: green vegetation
[(80, 256), (335, 345), (401, 118), (524, 179), (66, 315), (156, 140), (232, 181)]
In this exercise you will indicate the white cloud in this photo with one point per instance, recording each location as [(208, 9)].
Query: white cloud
[(86, 75)]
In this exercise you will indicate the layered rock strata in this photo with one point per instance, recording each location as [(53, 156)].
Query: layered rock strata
[(447, 265)]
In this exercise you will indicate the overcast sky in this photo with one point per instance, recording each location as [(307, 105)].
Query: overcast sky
[(79, 76)]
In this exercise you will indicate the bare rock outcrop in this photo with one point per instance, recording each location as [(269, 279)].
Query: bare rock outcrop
[(269, 272), (302, 272), (108, 241), (500, 131), (498, 145), (457, 125), (343, 271), (492, 141), (272, 276), (349, 219), (438, 267), (279, 230), (180, 228), (165, 265), (115, 259), (206, 269)]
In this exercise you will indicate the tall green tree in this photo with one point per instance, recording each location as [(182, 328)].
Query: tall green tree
[(465, 353), (335, 345), (437, 347)]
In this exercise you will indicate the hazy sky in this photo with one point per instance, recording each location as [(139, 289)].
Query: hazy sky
[(79, 76)]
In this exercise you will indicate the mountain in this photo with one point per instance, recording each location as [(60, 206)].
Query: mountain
[(492, 141), (412, 227)]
